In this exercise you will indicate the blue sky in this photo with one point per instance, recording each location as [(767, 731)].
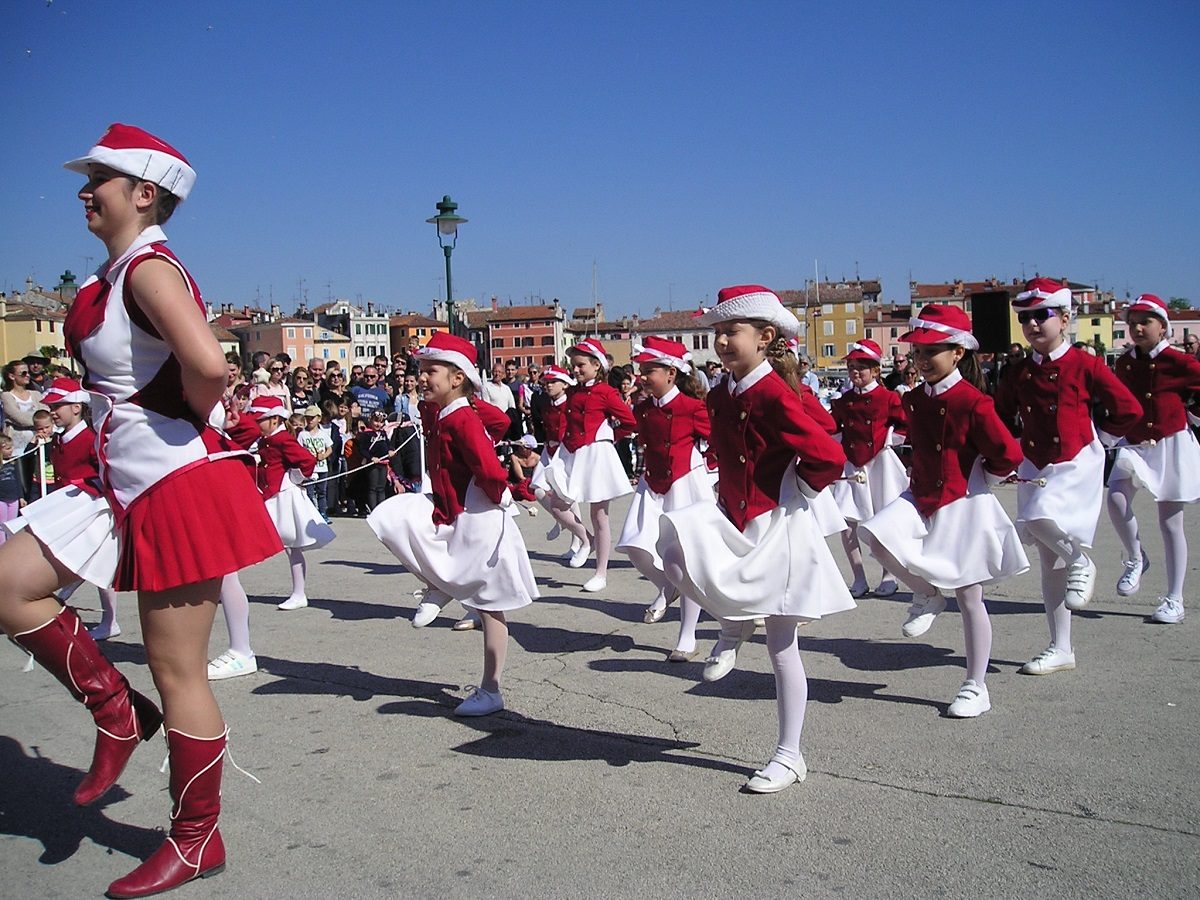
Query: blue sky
[(679, 146)]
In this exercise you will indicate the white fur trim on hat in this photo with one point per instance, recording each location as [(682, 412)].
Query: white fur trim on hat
[(683, 365), (762, 306), (588, 347), (454, 358), (953, 335)]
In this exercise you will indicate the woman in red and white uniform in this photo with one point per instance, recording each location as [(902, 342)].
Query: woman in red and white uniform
[(156, 375), (673, 429), (555, 381)]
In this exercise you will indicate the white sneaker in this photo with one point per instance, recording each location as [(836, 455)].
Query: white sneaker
[(429, 603), (921, 614), (1081, 583), (574, 548), (293, 603), (579, 557), (887, 587), (595, 583), (231, 664), (972, 701), (1049, 661), (1169, 612), (103, 632), (858, 588), (721, 663), (480, 703), (1131, 578)]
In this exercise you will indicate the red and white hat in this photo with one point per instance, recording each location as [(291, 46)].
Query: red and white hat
[(1149, 303), (267, 405), (664, 352), (557, 373), (1043, 293), (865, 349), (139, 153), (938, 324), (449, 348), (752, 301), (592, 347), (65, 390)]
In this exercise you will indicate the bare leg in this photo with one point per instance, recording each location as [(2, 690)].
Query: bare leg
[(29, 574), (495, 649)]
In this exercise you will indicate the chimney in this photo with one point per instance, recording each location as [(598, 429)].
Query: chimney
[(370, 308), (246, 311), (274, 311), (495, 304)]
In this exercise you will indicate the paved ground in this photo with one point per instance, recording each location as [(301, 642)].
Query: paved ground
[(614, 773)]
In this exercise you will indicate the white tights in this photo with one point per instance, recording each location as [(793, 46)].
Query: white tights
[(495, 648), (689, 609), (601, 536), (1170, 523), (299, 568), (236, 607), (791, 692), (564, 514), (1056, 550), (854, 554)]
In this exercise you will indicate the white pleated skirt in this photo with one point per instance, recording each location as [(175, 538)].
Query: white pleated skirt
[(780, 565), (479, 559), (886, 480), (969, 541), (591, 474), (77, 529), (1170, 470), (297, 520), (829, 516), (641, 530), (1071, 498)]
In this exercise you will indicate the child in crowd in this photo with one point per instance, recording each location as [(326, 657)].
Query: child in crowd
[(555, 381), (315, 438), (1159, 453), (948, 531), (760, 551), (42, 464), (12, 492)]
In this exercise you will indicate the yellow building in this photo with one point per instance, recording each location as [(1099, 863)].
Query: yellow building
[(407, 328), (831, 318), (25, 329)]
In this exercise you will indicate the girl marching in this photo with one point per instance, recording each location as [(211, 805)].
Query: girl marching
[(586, 468), (948, 532), (672, 423), (461, 540), (1051, 393), (555, 381), (1159, 453), (760, 551)]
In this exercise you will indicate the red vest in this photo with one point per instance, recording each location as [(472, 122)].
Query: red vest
[(864, 420), (1161, 385), (669, 434)]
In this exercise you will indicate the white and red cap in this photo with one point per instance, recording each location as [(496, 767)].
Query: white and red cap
[(135, 152), (699, 311), (1149, 303), (938, 324), (752, 301), (267, 405), (557, 373), (663, 352), (865, 349), (65, 390), (592, 347), (1043, 293), (449, 348)]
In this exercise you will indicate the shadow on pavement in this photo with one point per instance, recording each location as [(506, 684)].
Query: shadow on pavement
[(328, 679)]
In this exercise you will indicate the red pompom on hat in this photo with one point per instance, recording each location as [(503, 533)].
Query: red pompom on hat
[(132, 151), (865, 349), (664, 352), (449, 348), (592, 347), (267, 405), (1043, 293), (65, 390), (938, 324), (1149, 303), (557, 373), (752, 301)]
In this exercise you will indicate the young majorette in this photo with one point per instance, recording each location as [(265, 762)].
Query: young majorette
[(139, 327), (672, 423), (759, 551), (283, 464), (555, 381), (948, 531), (866, 417), (586, 468), (461, 541), (1159, 453), (1050, 393)]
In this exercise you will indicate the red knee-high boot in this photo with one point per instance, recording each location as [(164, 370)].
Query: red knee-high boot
[(123, 716), (193, 848)]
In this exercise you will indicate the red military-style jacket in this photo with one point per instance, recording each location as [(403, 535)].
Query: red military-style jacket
[(588, 407), (669, 432), (1162, 382), (864, 419), (278, 452), (948, 432), (495, 420), (458, 450), (73, 456), (1053, 400), (756, 436), (554, 421)]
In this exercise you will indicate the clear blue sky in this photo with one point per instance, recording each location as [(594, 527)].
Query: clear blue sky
[(681, 146)]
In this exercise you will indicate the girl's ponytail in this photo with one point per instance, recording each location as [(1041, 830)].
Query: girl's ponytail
[(972, 372)]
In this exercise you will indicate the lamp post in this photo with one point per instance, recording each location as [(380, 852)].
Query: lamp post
[(447, 221)]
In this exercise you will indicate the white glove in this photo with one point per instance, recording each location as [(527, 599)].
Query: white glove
[(1111, 440), (506, 499), (296, 476)]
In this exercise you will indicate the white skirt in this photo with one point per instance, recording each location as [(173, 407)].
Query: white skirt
[(886, 480), (641, 529), (77, 529), (591, 474), (1071, 498), (969, 541), (299, 524), (1170, 470), (827, 512), (537, 478), (780, 565), (479, 559)]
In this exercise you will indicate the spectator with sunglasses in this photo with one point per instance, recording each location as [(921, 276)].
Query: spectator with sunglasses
[(275, 386), (369, 394), (333, 388)]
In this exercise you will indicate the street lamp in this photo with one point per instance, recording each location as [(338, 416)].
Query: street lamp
[(447, 221)]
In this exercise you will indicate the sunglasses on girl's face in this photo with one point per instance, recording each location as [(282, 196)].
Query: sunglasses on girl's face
[(1026, 316)]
